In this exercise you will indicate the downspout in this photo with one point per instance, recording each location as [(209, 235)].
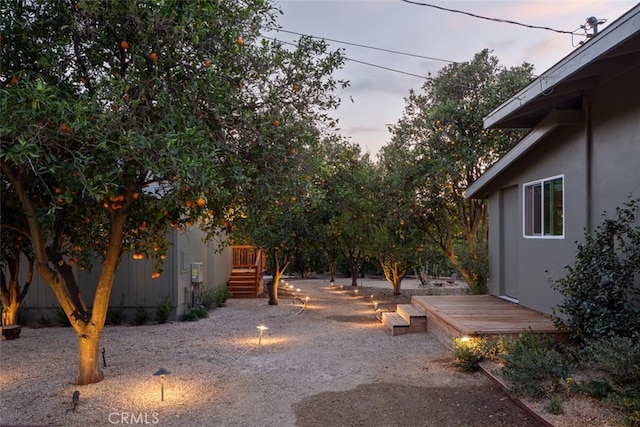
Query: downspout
[(586, 102)]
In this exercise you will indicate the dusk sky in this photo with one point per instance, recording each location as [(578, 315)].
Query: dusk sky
[(375, 97)]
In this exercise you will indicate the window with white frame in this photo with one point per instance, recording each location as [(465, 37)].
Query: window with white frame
[(544, 208)]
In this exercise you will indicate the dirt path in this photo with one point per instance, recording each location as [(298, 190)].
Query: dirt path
[(331, 364)]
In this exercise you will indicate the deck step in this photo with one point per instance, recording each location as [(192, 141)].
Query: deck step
[(395, 323), (416, 318)]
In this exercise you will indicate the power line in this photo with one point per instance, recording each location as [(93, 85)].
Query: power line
[(368, 47), (357, 60), (505, 21)]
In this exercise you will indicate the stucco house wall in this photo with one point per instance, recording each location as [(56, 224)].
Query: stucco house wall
[(585, 118)]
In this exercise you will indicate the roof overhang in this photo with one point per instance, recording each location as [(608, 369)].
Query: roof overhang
[(555, 119), (614, 50)]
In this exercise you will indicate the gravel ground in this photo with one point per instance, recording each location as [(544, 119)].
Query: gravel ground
[(330, 363)]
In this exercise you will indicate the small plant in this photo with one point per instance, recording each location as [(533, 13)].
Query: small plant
[(163, 310), (467, 353), (190, 316), (221, 294), (140, 316), (535, 365), (61, 317), (115, 314), (554, 406)]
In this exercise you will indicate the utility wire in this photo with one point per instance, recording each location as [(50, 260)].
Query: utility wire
[(505, 21), (357, 60), (369, 47)]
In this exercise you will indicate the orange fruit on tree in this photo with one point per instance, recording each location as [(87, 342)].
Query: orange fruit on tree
[(153, 56), (239, 41), (155, 275), (189, 203), (201, 202), (207, 63), (135, 195), (275, 123), (124, 44), (13, 81)]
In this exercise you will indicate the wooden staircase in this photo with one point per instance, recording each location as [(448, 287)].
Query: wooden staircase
[(246, 280), (407, 318)]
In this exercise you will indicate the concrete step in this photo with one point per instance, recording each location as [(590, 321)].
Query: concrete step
[(414, 316)]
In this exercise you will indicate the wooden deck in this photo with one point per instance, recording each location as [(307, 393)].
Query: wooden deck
[(474, 315)]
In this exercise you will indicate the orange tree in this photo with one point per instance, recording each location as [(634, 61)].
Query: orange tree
[(398, 239), (277, 202), (348, 180), (442, 132), (121, 119)]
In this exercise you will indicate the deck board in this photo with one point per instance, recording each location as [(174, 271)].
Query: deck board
[(484, 315)]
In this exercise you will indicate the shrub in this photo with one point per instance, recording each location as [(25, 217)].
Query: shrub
[(616, 360), (599, 298), (115, 314), (469, 352), (140, 316), (221, 294), (195, 313), (534, 365), (61, 317), (554, 406), (189, 316), (163, 310)]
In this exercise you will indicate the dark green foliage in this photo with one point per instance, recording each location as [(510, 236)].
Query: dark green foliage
[(220, 295), (194, 314), (115, 314), (476, 263), (599, 297), (534, 365), (140, 315), (215, 297), (468, 353), (61, 317), (616, 361), (163, 311), (554, 406)]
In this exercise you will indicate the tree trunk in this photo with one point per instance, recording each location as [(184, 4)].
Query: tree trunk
[(10, 314), (273, 289), (88, 364)]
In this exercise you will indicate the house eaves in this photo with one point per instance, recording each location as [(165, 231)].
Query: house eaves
[(480, 188), (612, 51)]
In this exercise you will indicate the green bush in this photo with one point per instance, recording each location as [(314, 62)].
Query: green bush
[(115, 314), (469, 352), (554, 406), (599, 298), (221, 294), (190, 316), (140, 316), (616, 362), (215, 297), (534, 365), (163, 310), (61, 317)]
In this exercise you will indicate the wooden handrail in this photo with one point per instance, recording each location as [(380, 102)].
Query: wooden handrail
[(249, 257)]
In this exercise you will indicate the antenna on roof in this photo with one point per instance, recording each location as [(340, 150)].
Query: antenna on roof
[(592, 24)]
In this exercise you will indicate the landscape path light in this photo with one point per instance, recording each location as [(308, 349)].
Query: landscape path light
[(261, 328), (161, 373)]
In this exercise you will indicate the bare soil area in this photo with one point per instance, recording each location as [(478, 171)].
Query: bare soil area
[(329, 363)]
